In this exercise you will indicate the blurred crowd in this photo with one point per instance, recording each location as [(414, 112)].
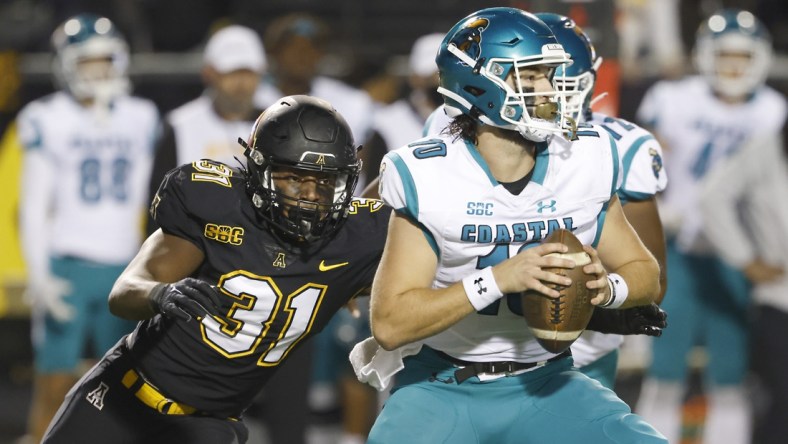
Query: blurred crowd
[(374, 62)]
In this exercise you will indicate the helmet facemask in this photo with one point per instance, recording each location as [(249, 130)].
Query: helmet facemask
[(91, 61), (733, 52), (734, 64), (297, 219), (513, 107), (579, 90)]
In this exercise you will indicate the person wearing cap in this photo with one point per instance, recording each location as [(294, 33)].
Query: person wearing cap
[(208, 127), (402, 122), (87, 154), (296, 45)]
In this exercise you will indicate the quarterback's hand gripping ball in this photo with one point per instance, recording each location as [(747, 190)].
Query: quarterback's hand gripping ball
[(558, 322)]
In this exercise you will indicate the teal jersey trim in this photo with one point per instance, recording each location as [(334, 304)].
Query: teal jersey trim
[(38, 142), (630, 156), (600, 223), (427, 124), (541, 163), (614, 151), (480, 160), (631, 196), (411, 208)]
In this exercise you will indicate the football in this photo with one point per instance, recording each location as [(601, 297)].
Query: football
[(558, 322)]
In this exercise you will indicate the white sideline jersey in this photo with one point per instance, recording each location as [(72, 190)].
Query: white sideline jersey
[(698, 130), (355, 105), (201, 134), (97, 174), (472, 222), (643, 177), (436, 122), (398, 124)]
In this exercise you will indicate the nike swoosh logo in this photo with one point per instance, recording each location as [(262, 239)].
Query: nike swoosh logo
[(324, 267)]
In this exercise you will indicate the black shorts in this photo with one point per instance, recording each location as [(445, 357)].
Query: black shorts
[(101, 409)]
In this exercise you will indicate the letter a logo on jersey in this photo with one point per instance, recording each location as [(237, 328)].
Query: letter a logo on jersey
[(96, 397)]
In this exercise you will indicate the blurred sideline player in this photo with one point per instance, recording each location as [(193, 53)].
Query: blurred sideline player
[(401, 122), (701, 120), (88, 152), (208, 126), (248, 264), (750, 232), (296, 45)]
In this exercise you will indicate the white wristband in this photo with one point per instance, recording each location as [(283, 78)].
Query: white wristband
[(481, 289), (619, 291)]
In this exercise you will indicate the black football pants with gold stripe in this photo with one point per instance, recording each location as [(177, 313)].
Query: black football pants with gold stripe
[(101, 409)]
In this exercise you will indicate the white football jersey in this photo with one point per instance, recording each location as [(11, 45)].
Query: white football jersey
[(698, 130), (99, 173), (643, 177), (437, 121), (473, 222), (200, 133)]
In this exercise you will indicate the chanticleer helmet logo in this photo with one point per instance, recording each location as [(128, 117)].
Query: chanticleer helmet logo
[(469, 38)]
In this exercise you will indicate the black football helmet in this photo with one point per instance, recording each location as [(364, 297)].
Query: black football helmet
[(305, 133)]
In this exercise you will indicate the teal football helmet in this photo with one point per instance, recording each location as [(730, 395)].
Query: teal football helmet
[(478, 54), (85, 37), (580, 76), (733, 31)]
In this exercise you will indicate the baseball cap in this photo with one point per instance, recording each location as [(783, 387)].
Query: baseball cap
[(235, 47), (422, 55)]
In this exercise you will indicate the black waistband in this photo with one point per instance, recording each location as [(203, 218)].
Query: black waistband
[(470, 368)]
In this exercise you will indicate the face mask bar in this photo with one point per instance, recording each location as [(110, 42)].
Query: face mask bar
[(579, 89), (535, 123), (82, 87)]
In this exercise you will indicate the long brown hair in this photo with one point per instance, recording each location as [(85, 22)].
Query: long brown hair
[(464, 126)]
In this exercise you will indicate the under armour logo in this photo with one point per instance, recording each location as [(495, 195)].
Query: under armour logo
[(478, 284), (96, 397), (541, 206)]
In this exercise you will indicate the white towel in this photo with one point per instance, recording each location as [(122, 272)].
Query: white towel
[(375, 366)]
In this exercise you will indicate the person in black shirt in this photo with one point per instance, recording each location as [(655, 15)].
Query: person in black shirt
[(248, 263)]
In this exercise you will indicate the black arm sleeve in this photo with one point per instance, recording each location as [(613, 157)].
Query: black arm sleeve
[(164, 160)]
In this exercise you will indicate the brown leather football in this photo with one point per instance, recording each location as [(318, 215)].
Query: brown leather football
[(558, 322)]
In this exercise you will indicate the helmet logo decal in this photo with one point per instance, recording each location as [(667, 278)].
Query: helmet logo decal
[(656, 162), (469, 38)]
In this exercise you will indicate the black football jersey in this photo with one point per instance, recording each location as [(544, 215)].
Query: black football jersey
[(271, 297)]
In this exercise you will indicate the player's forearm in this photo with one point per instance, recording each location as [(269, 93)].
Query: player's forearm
[(129, 298), (399, 319), (642, 278)]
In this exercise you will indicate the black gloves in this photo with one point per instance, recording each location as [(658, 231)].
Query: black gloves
[(643, 320), (184, 299)]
